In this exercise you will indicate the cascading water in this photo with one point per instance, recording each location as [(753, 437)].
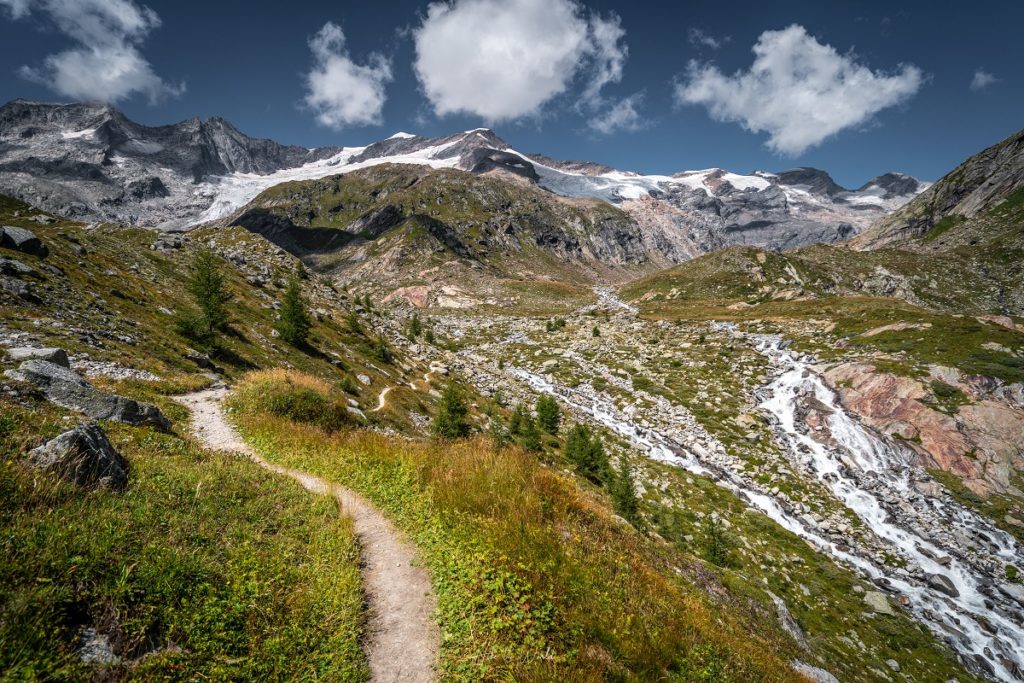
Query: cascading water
[(946, 585)]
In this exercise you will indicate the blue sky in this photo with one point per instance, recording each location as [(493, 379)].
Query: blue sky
[(854, 88)]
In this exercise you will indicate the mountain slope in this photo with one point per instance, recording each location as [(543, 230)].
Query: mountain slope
[(972, 189), (90, 162)]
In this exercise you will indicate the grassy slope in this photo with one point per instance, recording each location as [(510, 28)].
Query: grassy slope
[(205, 567), (535, 579)]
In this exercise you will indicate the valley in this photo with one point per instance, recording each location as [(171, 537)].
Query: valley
[(785, 442)]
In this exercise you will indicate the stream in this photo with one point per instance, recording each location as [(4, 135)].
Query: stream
[(948, 556)]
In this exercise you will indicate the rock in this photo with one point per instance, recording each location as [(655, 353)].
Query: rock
[(9, 266), (22, 240), (52, 355), (878, 603), (19, 289), (942, 583), (66, 389), (363, 379), (813, 673), (83, 456), (549, 365)]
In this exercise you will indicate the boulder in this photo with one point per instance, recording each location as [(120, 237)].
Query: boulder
[(22, 240), (17, 288), (53, 355), (83, 456), (65, 388), (9, 266), (878, 603), (942, 583)]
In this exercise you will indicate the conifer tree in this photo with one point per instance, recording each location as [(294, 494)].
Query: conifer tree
[(293, 322), (450, 421), (529, 434), (548, 414), (208, 288), (623, 492)]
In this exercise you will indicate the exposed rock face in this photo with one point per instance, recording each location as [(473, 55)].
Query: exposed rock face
[(83, 456), (22, 240), (89, 161), (974, 186), (981, 443), (66, 389)]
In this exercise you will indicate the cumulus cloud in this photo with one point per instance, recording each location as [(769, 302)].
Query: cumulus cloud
[(622, 115), (341, 92), (106, 64), (505, 59), (982, 79), (798, 90)]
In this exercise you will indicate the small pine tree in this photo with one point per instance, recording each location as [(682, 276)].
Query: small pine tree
[(208, 288), (415, 326), (366, 302), (623, 493), (381, 351), (529, 434), (352, 320), (293, 323), (586, 454), (450, 421), (515, 423), (596, 332), (428, 336), (548, 414), (348, 386), (717, 545)]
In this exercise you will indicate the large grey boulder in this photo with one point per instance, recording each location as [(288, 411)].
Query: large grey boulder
[(943, 584), (53, 355), (83, 456), (9, 266), (22, 240), (66, 389)]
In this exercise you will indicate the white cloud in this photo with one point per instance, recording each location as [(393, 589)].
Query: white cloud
[(699, 38), (622, 115), (16, 8), (798, 90), (106, 65), (982, 79), (341, 92), (505, 59)]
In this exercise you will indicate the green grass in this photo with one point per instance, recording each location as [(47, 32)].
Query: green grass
[(535, 580), (944, 225), (204, 568)]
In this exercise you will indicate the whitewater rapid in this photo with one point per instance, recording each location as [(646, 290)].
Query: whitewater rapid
[(981, 622)]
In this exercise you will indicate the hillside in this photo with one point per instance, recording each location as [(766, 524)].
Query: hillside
[(968, 194)]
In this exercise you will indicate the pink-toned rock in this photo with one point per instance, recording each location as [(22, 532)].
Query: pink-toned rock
[(982, 445), (418, 296)]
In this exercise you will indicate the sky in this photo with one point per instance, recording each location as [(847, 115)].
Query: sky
[(855, 88)]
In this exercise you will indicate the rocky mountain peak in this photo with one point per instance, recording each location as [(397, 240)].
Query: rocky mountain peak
[(813, 180), (893, 184)]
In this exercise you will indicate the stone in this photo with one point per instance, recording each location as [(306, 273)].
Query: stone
[(53, 355), (83, 456), (893, 664), (943, 584), (9, 266), (65, 388), (878, 603), (22, 240), (813, 673)]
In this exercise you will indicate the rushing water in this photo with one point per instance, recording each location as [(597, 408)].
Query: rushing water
[(974, 615)]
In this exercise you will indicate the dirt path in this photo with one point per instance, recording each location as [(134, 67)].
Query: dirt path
[(382, 399), (402, 636)]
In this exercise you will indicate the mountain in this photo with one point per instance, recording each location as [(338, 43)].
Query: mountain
[(971, 190), (90, 162)]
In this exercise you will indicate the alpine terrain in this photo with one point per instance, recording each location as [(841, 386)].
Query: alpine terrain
[(434, 408)]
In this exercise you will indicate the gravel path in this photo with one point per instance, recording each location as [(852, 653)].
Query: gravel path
[(402, 636)]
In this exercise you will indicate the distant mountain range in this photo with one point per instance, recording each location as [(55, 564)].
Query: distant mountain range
[(90, 162)]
